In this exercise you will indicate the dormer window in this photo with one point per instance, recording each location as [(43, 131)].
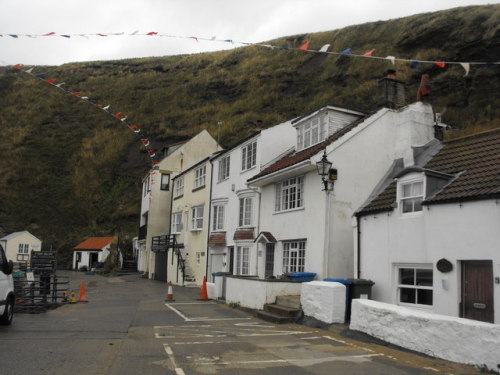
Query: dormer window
[(412, 195), (311, 132)]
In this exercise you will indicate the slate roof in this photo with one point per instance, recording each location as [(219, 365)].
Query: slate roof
[(474, 160), (294, 157), (95, 243)]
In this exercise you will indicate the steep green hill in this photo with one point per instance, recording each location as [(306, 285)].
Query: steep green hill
[(67, 168)]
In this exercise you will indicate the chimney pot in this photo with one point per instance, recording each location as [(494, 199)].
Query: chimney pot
[(391, 91)]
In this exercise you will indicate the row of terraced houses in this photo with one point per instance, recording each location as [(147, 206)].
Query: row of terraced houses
[(418, 216)]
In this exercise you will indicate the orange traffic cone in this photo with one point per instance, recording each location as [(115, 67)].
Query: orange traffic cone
[(81, 295), (204, 293), (170, 294)]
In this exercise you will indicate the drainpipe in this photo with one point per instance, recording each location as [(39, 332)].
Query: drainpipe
[(356, 223)]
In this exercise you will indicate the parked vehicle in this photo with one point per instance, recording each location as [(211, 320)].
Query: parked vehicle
[(7, 298)]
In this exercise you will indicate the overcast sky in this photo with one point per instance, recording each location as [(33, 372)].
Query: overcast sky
[(240, 20)]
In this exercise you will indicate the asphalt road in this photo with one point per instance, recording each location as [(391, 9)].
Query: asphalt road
[(128, 328)]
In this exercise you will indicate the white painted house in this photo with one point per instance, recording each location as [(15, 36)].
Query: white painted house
[(234, 212), (91, 251), (310, 230), (157, 198), (19, 245), (429, 236)]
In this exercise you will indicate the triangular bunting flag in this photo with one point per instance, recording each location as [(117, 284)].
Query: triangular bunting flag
[(466, 67), (51, 80), (415, 64), (49, 34), (305, 46), (152, 33), (346, 51), (324, 48), (369, 53), (440, 64), (392, 58)]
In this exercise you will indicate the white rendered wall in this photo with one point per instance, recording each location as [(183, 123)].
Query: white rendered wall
[(324, 301), (467, 231), (254, 293), (11, 246), (454, 339)]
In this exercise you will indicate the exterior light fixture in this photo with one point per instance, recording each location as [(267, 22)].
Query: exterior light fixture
[(327, 173)]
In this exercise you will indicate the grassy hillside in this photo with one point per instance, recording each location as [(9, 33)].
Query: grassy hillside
[(67, 168)]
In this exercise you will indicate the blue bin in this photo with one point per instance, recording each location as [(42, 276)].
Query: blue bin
[(347, 284), (302, 276)]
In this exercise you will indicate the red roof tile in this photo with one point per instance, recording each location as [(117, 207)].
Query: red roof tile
[(217, 240), (95, 243)]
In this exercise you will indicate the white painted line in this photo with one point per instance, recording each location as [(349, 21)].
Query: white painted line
[(431, 368), (169, 351), (254, 324), (272, 334), (202, 342), (212, 319), (193, 303), (178, 313), (336, 340), (184, 326), (310, 338), (179, 371)]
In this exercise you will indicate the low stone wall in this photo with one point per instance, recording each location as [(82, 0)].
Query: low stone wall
[(454, 339), (255, 293)]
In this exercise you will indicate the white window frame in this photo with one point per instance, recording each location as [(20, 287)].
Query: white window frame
[(200, 176), (294, 256), (224, 168), (245, 211), (289, 194), (176, 222), (242, 260), (311, 132), (23, 248), (249, 156), (179, 187), (415, 286), (415, 198), (197, 218), (218, 217)]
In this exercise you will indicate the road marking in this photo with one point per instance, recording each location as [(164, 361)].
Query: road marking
[(310, 338), (303, 362), (179, 371), (202, 342), (198, 319), (184, 326), (178, 313), (192, 303), (431, 368)]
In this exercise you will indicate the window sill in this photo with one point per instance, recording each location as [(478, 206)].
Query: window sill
[(249, 169), (198, 188), (178, 197), (409, 215), (286, 211)]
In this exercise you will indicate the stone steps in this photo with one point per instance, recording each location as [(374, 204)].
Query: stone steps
[(285, 310)]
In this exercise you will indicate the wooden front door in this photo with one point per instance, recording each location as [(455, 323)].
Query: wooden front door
[(477, 290)]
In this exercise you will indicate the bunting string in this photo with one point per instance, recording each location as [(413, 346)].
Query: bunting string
[(145, 142), (466, 65)]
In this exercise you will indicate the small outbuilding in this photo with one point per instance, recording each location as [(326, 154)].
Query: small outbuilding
[(19, 245), (91, 251)]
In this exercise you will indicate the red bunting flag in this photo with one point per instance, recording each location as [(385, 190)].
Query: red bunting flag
[(76, 93), (152, 33), (118, 114), (369, 53), (304, 47), (133, 127), (51, 80), (17, 66), (440, 64), (101, 34), (49, 34)]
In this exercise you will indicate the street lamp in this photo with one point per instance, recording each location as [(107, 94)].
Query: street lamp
[(327, 173)]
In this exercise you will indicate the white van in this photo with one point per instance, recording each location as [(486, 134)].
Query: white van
[(7, 297)]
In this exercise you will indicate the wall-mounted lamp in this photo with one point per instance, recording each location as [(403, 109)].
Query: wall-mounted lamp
[(327, 173)]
